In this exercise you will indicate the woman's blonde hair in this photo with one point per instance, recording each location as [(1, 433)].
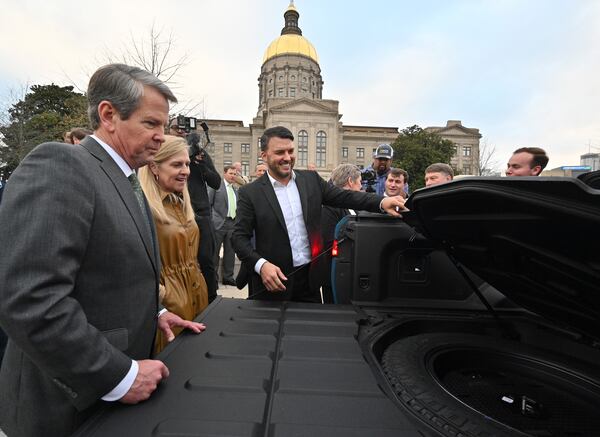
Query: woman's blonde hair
[(172, 146)]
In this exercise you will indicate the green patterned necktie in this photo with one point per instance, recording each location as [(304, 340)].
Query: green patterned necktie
[(139, 194)]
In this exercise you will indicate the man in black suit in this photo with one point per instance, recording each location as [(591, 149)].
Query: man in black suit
[(283, 210)]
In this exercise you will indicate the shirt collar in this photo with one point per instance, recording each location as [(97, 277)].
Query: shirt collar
[(115, 156), (275, 181)]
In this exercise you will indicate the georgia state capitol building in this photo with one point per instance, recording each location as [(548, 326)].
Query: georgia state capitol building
[(290, 90)]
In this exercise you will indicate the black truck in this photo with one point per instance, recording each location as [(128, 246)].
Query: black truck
[(477, 314)]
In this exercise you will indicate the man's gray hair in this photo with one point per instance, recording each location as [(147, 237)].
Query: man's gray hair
[(343, 172), (123, 86)]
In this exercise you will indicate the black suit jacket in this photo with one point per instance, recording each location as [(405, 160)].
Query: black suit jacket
[(259, 214)]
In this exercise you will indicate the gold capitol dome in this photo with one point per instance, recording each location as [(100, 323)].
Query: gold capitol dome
[(291, 40)]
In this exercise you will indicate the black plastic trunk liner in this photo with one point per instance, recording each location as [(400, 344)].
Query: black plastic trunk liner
[(263, 369)]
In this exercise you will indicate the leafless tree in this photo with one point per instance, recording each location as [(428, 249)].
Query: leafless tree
[(487, 164), (153, 53)]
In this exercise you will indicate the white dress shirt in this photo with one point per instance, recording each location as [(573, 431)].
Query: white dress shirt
[(291, 207)]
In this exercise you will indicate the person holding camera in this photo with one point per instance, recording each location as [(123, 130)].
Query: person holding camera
[(176, 130), (203, 173), (374, 176)]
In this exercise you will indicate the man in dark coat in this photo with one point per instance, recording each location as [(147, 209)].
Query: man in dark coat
[(283, 210)]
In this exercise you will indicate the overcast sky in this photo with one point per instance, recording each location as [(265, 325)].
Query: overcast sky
[(525, 72)]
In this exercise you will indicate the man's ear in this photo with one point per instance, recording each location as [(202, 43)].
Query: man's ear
[(536, 170), (107, 114)]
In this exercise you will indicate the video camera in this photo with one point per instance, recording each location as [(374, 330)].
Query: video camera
[(369, 177), (186, 124), (193, 138)]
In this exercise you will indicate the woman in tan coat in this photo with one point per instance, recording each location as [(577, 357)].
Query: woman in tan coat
[(164, 181)]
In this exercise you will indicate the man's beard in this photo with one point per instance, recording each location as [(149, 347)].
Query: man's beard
[(381, 170), (276, 170)]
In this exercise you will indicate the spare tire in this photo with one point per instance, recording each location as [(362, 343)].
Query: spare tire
[(473, 385)]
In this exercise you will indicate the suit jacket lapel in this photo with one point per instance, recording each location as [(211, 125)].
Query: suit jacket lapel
[(123, 187), (269, 193), (303, 190)]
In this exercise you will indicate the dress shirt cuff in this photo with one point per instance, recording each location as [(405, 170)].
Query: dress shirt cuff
[(123, 387), (259, 265), (161, 312), (380, 205)]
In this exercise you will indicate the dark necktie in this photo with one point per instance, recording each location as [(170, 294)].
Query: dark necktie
[(139, 195)]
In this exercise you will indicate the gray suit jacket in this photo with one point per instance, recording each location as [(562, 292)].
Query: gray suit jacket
[(220, 204), (79, 291)]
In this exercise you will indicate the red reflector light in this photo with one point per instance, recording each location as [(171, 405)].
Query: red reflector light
[(334, 248)]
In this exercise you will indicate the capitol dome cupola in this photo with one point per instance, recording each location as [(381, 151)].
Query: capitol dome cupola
[(290, 66), (291, 16)]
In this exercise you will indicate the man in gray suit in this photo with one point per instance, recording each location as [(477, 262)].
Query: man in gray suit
[(224, 205), (79, 293)]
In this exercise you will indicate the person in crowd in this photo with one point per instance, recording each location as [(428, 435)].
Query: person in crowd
[(182, 286), (203, 174), (81, 315), (79, 133), (261, 169), (175, 130), (382, 162), (438, 173), (395, 182), (67, 137), (311, 166), (527, 161), (240, 179), (346, 177), (224, 204), (282, 210)]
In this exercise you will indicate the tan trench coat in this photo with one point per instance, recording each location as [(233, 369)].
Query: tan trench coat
[(183, 289)]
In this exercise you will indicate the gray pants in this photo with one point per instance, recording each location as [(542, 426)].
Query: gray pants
[(223, 237)]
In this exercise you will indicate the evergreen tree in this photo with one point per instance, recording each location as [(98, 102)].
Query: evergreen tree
[(415, 149), (44, 114)]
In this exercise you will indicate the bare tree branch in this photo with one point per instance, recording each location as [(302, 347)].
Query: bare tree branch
[(487, 164), (153, 53)]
